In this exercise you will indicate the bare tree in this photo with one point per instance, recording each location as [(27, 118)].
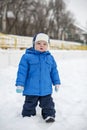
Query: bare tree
[(58, 7), (3, 9), (30, 17), (33, 16)]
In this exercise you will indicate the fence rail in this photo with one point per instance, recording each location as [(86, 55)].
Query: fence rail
[(21, 42)]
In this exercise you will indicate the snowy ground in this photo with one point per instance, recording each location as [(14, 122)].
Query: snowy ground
[(70, 100)]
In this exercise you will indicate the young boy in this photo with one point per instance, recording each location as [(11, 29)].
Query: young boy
[(36, 73)]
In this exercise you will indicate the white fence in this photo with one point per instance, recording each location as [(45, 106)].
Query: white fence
[(20, 42)]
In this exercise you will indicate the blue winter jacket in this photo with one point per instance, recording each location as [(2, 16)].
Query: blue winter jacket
[(37, 72)]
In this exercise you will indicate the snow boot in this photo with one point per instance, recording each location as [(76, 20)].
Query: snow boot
[(50, 119)]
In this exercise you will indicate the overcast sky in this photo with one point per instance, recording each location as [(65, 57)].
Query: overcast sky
[(79, 9)]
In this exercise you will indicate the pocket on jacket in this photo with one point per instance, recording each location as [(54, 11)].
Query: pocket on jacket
[(49, 64), (34, 61), (33, 65)]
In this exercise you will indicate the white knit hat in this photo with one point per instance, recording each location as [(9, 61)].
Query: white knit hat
[(41, 36)]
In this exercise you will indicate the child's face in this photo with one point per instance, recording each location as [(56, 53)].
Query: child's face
[(41, 46)]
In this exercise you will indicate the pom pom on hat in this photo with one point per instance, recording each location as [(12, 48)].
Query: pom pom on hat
[(41, 36)]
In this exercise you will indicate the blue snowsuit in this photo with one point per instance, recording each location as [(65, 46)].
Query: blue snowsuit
[(36, 73)]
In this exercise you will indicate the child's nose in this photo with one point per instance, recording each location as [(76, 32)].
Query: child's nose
[(41, 44)]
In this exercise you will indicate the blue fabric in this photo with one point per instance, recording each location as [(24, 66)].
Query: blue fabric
[(45, 102), (37, 72), (56, 89), (19, 89)]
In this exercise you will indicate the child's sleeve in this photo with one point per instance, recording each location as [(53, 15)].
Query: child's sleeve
[(22, 71), (55, 74)]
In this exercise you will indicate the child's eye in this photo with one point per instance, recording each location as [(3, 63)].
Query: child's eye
[(38, 43), (45, 44)]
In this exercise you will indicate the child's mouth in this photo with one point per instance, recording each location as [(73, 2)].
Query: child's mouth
[(41, 48)]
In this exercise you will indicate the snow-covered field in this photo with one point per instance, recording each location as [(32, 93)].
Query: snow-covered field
[(70, 100)]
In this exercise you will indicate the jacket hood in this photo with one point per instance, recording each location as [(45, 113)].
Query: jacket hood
[(33, 51)]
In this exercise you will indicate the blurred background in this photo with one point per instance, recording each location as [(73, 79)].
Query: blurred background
[(65, 21), (57, 18)]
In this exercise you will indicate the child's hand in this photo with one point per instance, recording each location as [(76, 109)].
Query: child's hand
[(56, 87), (19, 89)]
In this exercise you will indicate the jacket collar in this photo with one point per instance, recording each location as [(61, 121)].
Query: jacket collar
[(33, 51)]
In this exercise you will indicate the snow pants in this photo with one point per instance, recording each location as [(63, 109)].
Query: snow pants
[(45, 102)]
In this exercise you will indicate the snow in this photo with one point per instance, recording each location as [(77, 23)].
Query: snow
[(70, 100)]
